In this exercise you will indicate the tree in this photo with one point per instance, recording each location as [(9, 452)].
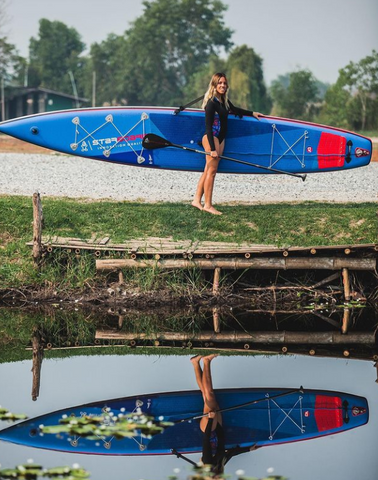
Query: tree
[(107, 61), (11, 63), (335, 109), (361, 79), (246, 77), (54, 54), (293, 99), (167, 45), (199, 82)]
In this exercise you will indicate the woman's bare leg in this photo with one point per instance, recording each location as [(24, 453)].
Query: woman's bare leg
[(198, 372), (197, 201), (206, 182), (211, 404), (207, 382)]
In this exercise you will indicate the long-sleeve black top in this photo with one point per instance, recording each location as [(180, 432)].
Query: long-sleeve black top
[(214, 106)]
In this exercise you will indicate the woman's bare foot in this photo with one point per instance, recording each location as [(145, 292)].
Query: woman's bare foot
[(197, 205), (208, 358), (196, 359), (212, 210)]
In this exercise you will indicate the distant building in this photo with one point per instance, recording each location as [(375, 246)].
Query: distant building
[(21, 101)]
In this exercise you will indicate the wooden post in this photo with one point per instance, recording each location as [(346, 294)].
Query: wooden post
[(346, 320), (346, 284), (37, 363), (37, 228), (216, 321), (216, 280), (376, 366)]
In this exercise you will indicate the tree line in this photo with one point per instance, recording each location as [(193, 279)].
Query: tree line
[(167, 56)]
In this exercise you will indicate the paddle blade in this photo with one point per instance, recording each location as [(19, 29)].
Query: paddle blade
[(152, 141)]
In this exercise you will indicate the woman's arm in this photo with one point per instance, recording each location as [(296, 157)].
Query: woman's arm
[(241, 112), (209, 120), (232, 452)]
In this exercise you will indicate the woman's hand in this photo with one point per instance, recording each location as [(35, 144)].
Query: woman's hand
[(214, 154), (257, 115), (212, 414)]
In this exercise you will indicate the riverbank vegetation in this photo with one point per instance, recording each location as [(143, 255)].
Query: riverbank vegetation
[(283, 225)]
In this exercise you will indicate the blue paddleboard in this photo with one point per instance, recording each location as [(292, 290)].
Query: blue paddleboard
[(298, 415), (115, 134)]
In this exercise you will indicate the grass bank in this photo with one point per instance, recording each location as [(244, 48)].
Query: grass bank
[(302, 224)]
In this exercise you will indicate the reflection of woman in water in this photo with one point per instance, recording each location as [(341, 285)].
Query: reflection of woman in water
[(214, 452)]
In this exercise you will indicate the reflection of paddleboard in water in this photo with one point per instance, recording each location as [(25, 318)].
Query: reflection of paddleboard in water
[(264, 416), (115, 134)]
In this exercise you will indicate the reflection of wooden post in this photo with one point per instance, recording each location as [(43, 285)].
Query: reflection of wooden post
[(216, 321), (346, 284), (37, 228), (216, 280), (346, 320), (37, 363)]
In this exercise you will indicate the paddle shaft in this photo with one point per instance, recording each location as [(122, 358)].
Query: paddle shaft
[(298, 175), (235, 407)]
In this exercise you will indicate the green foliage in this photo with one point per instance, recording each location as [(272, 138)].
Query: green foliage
[(8, 416), (362, 80), (353, 101), (246, 78), (294, 94), (107, 59), (335, 110), (54, 54), (109, 425), (11, 64), (32, 471), (199, 82), (169, 43)]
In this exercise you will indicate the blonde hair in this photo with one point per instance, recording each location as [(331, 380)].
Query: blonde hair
[(212, 89)]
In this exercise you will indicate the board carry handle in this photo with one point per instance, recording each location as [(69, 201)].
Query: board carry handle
[(183, 107), (151, 141)]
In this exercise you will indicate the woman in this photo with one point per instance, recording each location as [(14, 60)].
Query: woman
[(214, 452), (217, 108)]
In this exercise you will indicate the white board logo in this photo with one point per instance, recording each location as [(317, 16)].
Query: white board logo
[(361, 152)]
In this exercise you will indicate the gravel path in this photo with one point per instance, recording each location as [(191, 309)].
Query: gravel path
[(66, 176)]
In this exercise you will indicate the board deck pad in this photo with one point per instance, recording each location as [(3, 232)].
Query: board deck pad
[(299, 415), (115, 134)]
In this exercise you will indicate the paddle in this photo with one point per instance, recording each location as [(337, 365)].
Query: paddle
[(152, 142), (241, 405)]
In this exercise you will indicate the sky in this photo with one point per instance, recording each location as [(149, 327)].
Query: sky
[(322, 36)]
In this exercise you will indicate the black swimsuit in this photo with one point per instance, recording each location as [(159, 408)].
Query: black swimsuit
[(216, 116), (213, 447)]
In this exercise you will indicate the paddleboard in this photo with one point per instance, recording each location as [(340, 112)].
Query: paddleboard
[(299, 415), (115, 134)]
